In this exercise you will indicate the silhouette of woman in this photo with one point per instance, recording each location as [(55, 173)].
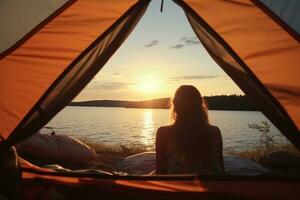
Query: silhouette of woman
[(190, 145)]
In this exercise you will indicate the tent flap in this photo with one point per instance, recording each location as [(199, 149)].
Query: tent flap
[(55, 64), (256, 52)]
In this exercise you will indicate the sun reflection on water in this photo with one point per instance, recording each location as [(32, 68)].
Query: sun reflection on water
[(147, 129)]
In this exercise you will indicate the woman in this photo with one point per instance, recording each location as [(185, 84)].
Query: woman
[(190, 145)]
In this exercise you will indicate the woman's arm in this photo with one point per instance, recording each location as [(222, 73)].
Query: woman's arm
[(161, 161)]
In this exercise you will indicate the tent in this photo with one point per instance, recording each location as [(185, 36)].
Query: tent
[(51, 49)]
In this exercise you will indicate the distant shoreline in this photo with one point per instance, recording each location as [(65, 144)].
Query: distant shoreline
[(153, 108), (221, 102)]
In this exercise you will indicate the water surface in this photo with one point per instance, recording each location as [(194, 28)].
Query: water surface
[(124, 126)]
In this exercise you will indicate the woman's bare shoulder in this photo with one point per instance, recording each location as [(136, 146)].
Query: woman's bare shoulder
[(214, 130), (165, 130)]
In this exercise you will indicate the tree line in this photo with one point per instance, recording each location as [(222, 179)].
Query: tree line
[(219, 102)]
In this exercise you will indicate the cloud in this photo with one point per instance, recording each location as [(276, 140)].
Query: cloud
[(186, 41), (152, 43), (178, 46), (190, 40), (108, 85), (177, 78)]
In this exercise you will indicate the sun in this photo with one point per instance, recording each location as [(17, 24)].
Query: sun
[(149, 87), (149, 84)]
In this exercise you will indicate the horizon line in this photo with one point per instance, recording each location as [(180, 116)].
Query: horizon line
[(155, 98)]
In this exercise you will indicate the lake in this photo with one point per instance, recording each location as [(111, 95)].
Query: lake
[(124, 126)]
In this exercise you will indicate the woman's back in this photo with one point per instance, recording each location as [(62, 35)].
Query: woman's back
[(191, 144), (204, 158)]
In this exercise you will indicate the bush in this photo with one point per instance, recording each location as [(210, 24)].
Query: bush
[(267, 138), (267, 143)]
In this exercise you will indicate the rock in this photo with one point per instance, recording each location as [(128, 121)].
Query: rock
[(281, 160)]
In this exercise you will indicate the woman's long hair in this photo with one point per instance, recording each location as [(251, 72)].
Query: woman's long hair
[(190, 120)]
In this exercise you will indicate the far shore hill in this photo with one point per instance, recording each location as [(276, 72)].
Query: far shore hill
[(220, 102)]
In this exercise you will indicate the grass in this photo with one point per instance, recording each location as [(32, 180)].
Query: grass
[(120, 150), (109, 155), (257, 153)]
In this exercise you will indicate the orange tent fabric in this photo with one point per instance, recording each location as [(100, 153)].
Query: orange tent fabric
[(185, 187), (269, 51), (29, 70), (259, 54)]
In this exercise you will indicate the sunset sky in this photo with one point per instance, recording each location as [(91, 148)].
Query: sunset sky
[(160, 54)]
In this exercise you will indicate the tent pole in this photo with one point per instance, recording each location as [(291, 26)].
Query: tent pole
[(162, 6)]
